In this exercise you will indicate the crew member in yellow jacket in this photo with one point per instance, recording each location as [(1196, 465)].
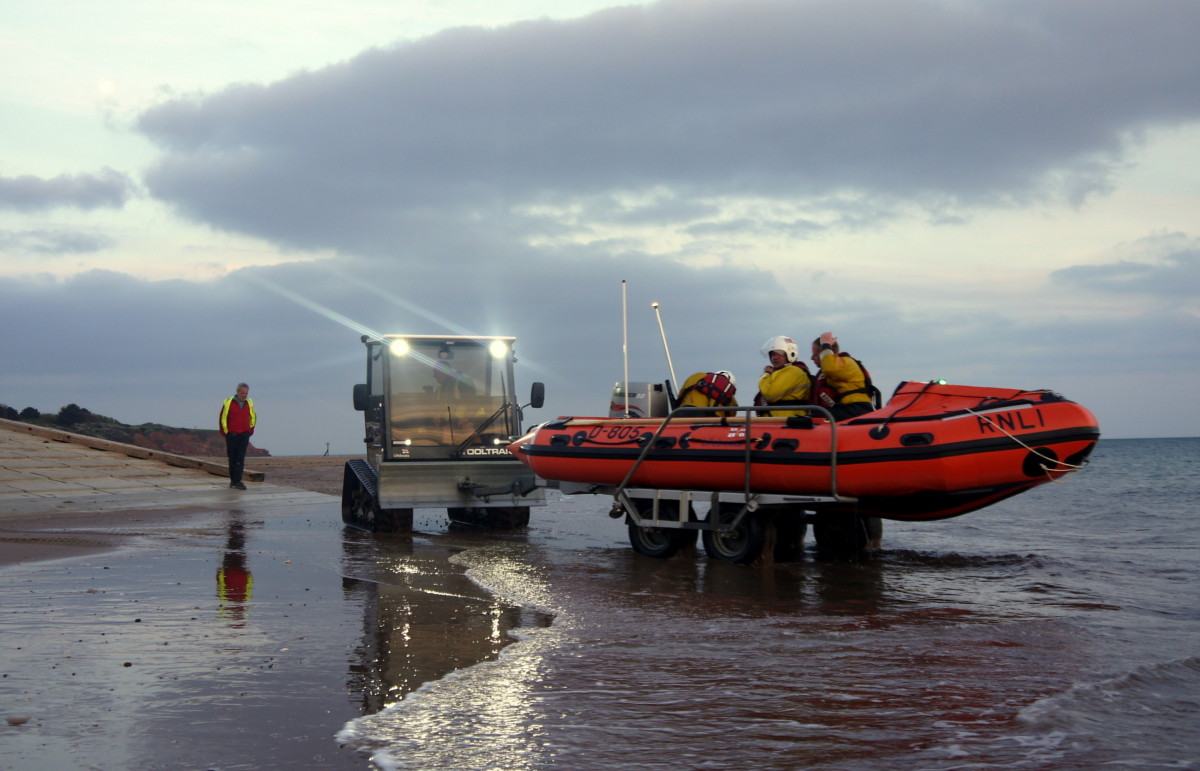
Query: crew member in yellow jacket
[(784, 385), (709, 389), (843, 385)]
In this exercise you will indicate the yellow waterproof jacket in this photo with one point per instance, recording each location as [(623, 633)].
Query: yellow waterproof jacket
[(841, 381), (788, 384)]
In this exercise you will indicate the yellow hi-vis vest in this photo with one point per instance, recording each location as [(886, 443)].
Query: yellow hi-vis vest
[(225, 413)]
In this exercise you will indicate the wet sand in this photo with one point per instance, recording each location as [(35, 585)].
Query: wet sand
[(69, 528), (242, 634), (318, 473)]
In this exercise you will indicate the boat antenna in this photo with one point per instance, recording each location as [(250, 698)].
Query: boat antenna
[(625, 342), (661, 331)]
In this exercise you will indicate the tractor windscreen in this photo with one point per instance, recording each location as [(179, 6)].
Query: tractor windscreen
[(445, 392)]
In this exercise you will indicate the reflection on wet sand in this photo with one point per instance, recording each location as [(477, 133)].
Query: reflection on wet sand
[(235, 582), (420, 621)]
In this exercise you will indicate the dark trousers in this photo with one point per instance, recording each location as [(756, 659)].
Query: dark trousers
[(235, 447)]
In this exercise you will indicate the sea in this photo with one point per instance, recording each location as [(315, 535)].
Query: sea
[(1059, 629)]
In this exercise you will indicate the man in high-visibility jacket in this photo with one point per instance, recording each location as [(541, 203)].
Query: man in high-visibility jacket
[(237, 426)]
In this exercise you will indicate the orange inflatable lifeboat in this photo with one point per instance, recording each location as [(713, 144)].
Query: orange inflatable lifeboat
[(933, 451)]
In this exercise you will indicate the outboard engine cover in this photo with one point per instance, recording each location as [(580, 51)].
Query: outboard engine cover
[(646, 400)]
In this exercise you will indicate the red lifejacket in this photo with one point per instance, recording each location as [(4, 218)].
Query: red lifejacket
[(715, 386), (825, 395)]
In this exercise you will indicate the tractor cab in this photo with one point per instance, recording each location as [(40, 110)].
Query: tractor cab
[(439, 413)]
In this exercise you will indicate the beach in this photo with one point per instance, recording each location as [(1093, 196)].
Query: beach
[(147, 623), (53, 514), (1056, 630)]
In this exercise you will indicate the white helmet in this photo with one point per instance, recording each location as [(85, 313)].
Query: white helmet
[(728, 374), (791, 351)]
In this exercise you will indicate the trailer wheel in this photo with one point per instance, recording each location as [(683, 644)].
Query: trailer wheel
[(790, 528), (742, 545), (491, 518), (847, 535), (660, 542)]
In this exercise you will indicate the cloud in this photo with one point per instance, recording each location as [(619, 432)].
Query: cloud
[(53, 242), (1165, 266), (104, 189), (885, 107), (140, 350), (167, 351), (505, 181)]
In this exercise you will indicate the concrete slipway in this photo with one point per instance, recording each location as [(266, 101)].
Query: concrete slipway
[(47, 470)]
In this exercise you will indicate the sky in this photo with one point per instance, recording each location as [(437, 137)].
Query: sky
[(994, 193)]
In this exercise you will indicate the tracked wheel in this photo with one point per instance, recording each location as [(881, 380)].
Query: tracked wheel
[(360, 502)]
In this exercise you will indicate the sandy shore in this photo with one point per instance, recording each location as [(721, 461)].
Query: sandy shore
[(219, 629), (318, 473), (74, 527)]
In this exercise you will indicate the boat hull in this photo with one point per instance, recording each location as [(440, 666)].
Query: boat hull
[(933, 451)]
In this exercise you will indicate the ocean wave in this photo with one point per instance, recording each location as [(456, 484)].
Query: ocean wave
[(1146, 716)]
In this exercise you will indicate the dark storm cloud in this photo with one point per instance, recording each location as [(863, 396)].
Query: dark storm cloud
[(105, 189), (53, 241), (935, 104)]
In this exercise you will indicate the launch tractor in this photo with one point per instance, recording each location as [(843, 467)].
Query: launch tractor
[(439, 413)]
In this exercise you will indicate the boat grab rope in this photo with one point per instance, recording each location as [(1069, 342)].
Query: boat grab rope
[(916, 397), (1033, 450)]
